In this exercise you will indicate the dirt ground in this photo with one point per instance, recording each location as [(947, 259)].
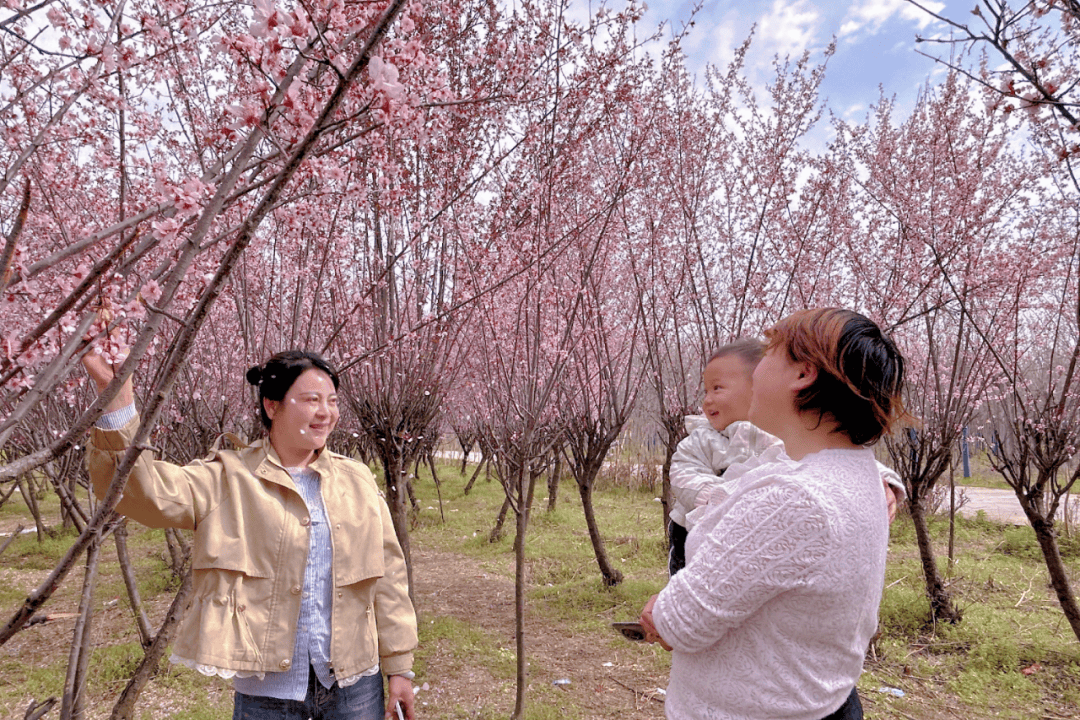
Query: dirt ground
[(447, 585), (608, 679), (604, 682)]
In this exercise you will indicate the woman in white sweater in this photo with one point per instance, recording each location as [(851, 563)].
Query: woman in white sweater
[(772, 616)]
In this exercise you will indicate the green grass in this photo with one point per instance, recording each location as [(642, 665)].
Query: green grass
[(1011, 623), (116, 663), (27, 553), (20, 678)]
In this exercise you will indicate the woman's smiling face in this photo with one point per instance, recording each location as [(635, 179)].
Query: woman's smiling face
[(301, 422)]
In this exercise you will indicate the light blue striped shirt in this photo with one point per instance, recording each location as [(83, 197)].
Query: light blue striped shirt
[(117, 418), (313, 629)]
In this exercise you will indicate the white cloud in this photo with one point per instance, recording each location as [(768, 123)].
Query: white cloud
[(868, 16), (724, 37), (854, 112), (790, 27)]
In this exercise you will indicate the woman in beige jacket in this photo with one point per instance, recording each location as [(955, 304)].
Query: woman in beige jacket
[(300, 590)]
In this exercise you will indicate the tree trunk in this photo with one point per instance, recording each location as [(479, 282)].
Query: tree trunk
[(438, 485), (71, 513), (178, 552), (143, 625), (73, 700), (1066, 517), (611, 575), (8, 494), (497, 531), (521, 516), (466, 448), (941, 605), (125, 705), (31, 502), (14, 536), (38, 710), (670, 444), (396, 497), (952, 516), (411, 490), (1059, 578), (553, 483), (480, 465)]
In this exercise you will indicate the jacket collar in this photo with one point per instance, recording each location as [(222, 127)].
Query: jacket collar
[(321, 464)]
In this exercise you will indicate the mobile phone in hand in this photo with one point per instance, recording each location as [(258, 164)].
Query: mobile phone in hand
[(630, 630)]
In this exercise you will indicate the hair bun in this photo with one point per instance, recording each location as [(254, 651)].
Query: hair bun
[(254, 374)]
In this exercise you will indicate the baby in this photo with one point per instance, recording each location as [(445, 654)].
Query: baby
[(722, 437)]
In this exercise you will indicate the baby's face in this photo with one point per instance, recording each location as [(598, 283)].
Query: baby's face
[(727, 391)]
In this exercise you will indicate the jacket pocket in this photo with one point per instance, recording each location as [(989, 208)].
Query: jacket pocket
[(229, 604), (354, 623)]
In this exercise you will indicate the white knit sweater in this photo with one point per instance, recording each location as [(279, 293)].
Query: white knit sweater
[(773, 613)]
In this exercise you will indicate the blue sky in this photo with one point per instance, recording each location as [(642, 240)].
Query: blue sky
[(875, 42)]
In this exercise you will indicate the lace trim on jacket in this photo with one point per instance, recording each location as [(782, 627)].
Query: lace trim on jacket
[(211, 671)]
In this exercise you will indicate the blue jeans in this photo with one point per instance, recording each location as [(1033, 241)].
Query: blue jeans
[(361, 701), (850, 710)]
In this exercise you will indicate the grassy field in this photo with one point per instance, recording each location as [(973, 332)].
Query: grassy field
[(1013, 656)]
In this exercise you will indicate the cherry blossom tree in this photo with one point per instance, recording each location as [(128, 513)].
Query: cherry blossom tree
[(926, 250), (1033, 429), (666, 244), (1038, 44), (256, 122), (599, 395), (552, 219)]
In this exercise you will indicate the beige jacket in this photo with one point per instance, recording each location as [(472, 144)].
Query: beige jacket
[(250, 550)]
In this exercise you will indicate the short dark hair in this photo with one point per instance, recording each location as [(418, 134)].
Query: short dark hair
[(749, 350), (277, 375), (860, 371)]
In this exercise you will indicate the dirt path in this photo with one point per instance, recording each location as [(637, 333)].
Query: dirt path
[(452, 585), (999, 505)]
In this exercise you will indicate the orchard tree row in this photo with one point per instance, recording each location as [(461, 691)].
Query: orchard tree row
[(519, 227)]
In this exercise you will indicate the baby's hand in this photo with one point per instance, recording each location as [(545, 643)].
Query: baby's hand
[(710, 494)]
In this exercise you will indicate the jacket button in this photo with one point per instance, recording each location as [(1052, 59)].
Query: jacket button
[(296, 589), (242, 608), (306, 521), (286, 664), (340, 594)]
